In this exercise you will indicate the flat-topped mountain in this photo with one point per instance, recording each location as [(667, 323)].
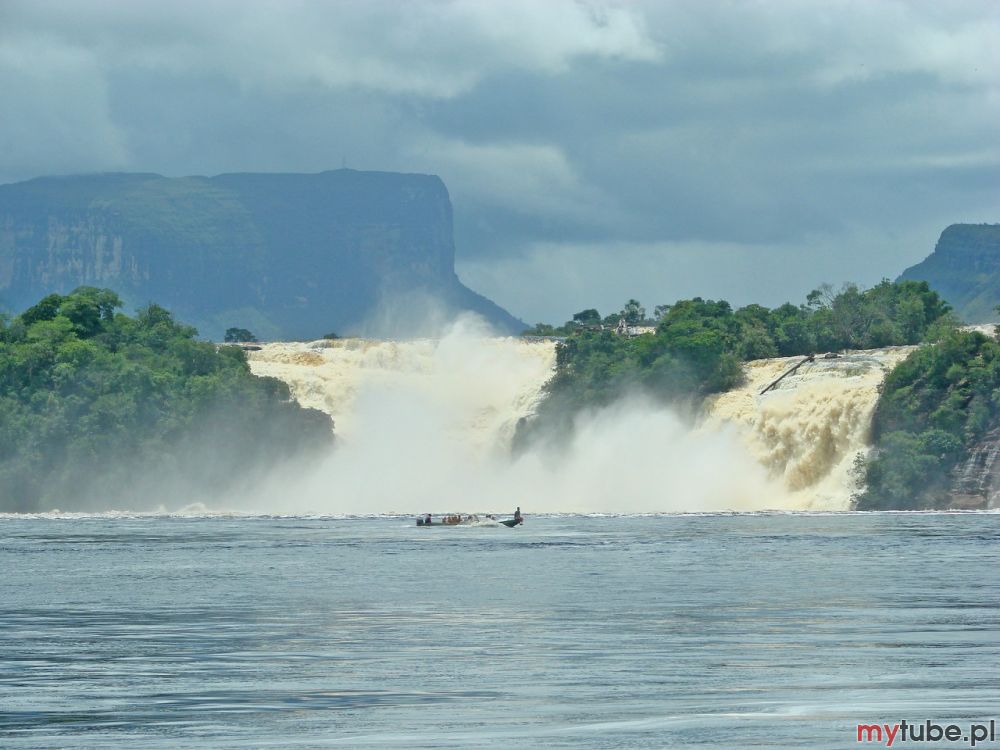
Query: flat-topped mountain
[(965, 270), (285, 255)]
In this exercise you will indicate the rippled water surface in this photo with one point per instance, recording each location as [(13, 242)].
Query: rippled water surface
[(766, 630)]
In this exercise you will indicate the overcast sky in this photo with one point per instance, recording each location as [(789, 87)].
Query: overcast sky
[(594, 151)]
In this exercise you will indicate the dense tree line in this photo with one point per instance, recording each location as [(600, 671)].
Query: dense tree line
[(99, 409), (698, 346), (933, 407)]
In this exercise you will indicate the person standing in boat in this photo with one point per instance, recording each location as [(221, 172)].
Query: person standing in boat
[(517, 515)]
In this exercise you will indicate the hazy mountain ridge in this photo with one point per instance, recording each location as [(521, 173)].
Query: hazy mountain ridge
[(964, 269), (286, 255)]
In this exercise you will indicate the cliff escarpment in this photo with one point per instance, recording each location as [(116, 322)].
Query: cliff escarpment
[(285, 255), (965, 270)]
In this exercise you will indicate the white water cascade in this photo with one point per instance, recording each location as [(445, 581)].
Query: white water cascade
[(473, 389), (425, 426), (808, 430)]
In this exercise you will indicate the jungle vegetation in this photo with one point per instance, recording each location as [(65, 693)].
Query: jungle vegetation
[(697, 346), (99, 409)]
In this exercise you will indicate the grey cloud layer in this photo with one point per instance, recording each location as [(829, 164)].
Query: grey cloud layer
[(688, 141)]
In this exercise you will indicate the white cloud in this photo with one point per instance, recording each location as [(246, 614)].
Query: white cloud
[(56, 113), (688, 134), (941, 42), (525, 178), (439, 48), (832, 42)]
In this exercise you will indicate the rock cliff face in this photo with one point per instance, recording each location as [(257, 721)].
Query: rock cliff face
[(965, 270), (285, 255), (976, 482)]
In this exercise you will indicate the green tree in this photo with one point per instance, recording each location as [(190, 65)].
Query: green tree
[(541, 329), (239, 336), (699, 345), (89, 308), (99, 407), (934, 407), (46, 309), (633, 312)]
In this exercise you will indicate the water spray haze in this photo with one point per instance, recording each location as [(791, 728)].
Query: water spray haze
[(419, 422), (425, 426), (808, 431), (638, 456), (407, 314)]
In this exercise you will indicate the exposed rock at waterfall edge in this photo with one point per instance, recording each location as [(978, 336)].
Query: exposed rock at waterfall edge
[(976, 482)]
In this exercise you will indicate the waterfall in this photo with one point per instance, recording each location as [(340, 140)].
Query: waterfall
[(808, 430), (475, 388), (425, 426)]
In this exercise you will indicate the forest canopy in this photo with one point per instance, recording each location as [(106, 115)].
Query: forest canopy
[(934, 406), (696, 347), (99, 409)]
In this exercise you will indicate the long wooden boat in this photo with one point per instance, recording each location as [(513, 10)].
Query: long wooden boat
[(509, 522)]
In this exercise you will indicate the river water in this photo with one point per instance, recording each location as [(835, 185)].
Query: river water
[(719, 630)]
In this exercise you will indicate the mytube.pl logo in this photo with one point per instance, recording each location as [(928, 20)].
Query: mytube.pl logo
[(926, 731)]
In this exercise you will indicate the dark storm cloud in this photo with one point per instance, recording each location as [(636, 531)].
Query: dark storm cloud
[(594, 150)]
